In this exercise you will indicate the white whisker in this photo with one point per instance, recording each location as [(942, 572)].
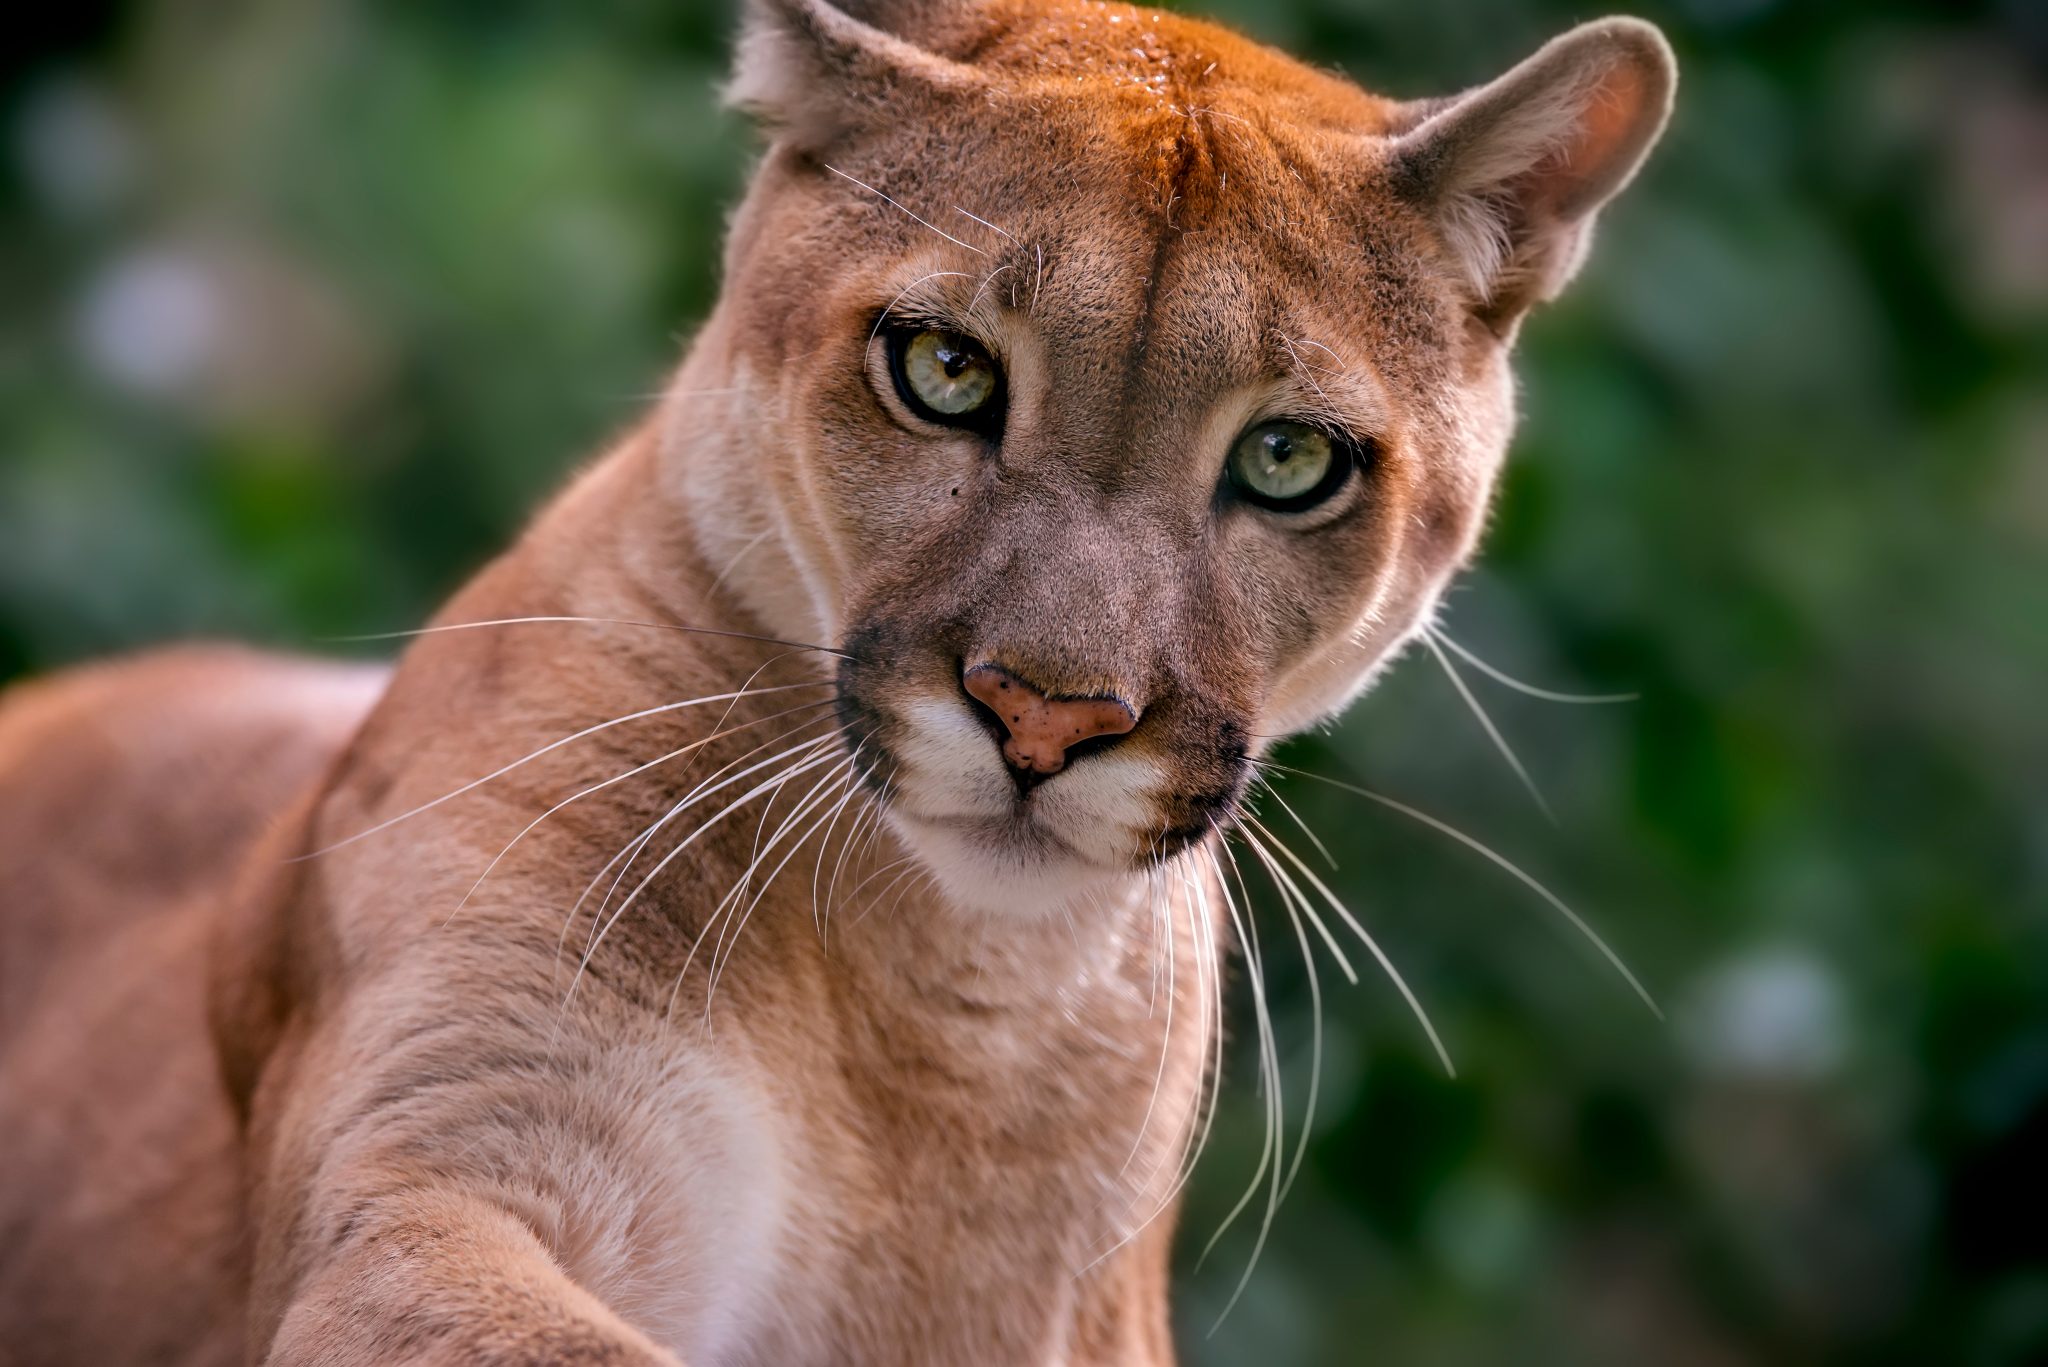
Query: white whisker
[(602, 784), (870, 815), (446, 627), (818, 869), (983, 222), (1304, 370), (631, 852), (1315, 996), (1209, 987), (982, 288), (1500, 742), (882, 318), (1509, 681), (741, 554), (908, 866), (1372, 946), (895, 866), (736, 919), (1209, 1072), (1557, 903), (1275, 1140), (1166, 1030), (1340, 369), (1296, 901), (1295, 817), (549, 748), (810, 759), (893, 204), (921, 882)]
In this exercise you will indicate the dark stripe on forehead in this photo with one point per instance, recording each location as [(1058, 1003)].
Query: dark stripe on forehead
[(1180, 167)]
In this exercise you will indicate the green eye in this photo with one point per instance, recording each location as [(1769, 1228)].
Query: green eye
[(1288, 466), (945, 377)]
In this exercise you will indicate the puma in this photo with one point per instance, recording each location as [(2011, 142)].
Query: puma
[(775, 914)]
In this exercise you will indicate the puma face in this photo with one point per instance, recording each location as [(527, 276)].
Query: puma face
[(1118, 395)]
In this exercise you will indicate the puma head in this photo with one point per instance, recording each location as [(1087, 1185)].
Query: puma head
[(1119, 394)]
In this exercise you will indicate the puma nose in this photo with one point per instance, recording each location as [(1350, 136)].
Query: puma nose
[(1041, 728)]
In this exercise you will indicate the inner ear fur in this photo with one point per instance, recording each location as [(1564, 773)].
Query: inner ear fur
[(1512, 173), (810, 70)]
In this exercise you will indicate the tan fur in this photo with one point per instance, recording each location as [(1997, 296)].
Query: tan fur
[(277, 1094)]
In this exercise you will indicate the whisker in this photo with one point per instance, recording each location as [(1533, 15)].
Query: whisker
[(983, 222), (1315, 1001), (1303, 369), (921, 881), (806, 758), (760, 831), (741, 554), (762, 851), (1293, 898), (1161, 922), (982, 288), (1153, 901), (1194, 1140), (1209, 1013), (877, 828), (1287, 807), (1209, 966), (737, 920), (1285, 1181), (1557, 903), (1166, 1032), (894, 866), (549, 748), (602, 784), (1508, 680), (893, 204), (909, 867), (1341, 367), (1372, 946), (584, 621), (1315, 996), (630, 852), (818, 868), (1500, 742), (882, 318), (718, 731), (870, 814), (1269, 1067), (810, 759), (1209, 990), (881, 822), (634, 846)]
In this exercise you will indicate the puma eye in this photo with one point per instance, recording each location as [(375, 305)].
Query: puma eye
[(1289, 466), (945, 377)]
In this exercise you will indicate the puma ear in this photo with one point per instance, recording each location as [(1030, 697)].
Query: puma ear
[(809, 71), (1513, 172)]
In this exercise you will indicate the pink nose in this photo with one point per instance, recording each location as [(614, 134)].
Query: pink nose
[(1041, 728)]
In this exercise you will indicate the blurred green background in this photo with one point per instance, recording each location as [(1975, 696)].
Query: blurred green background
[(309, 302)]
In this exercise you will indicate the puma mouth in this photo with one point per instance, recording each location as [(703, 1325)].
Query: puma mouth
[(1051, 825), (1021, 833)]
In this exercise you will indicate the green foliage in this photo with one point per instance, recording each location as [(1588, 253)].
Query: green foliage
[(1784, 473)]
